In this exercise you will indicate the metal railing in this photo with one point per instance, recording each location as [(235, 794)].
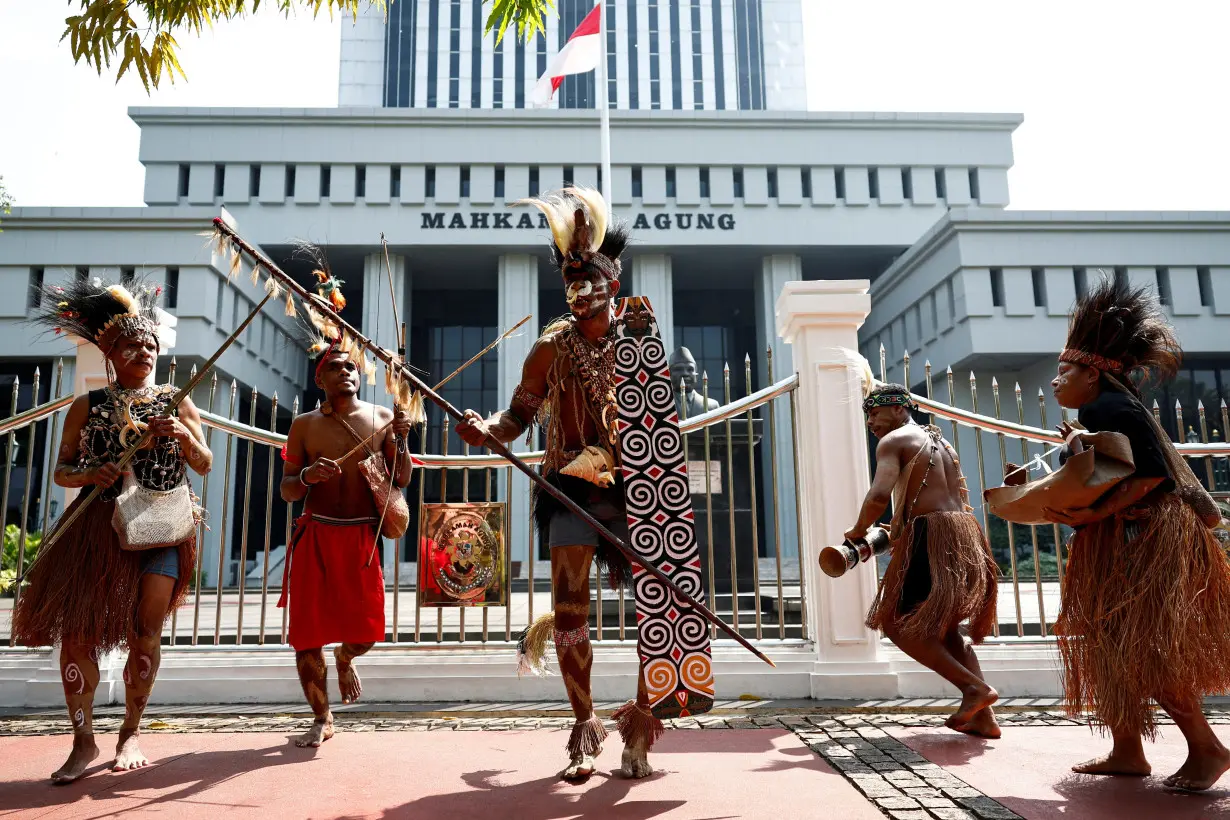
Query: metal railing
[(238, 578), (1032, 558)]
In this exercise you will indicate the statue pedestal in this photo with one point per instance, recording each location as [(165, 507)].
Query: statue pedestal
[(732, 476)]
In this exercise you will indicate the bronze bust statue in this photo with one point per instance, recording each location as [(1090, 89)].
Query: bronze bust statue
[(683, 372)]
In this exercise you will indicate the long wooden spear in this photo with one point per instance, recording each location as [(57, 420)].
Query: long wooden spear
[(497, 447)]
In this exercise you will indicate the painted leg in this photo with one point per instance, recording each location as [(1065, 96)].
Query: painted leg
[(347, 678), (933, 654), (314, 678), (639, 729), (1127, 757), (570, 578), (144, 657), (983, 723), (79, 674), (1207, 759)]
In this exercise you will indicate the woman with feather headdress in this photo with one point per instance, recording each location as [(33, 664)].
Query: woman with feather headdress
[(1146, 606), (85, 591), (568, 384)]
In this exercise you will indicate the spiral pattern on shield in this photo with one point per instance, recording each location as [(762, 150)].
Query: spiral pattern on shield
[(697, 671), (640, 496), (655, 637), (692, 631), (667, 445), (661, 679)]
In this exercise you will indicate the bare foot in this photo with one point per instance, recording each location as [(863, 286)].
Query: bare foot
[(83, 754), (1201, 770), (973, 700), (984, 724), (636, 761), (128, 754), (347, 679), (322, 730), (580, 767), (1129, 765)]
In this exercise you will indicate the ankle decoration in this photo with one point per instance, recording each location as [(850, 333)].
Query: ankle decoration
[(571, 637), (586, 737), (637, 725)]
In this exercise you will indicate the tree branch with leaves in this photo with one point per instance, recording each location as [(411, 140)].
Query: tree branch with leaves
[(139, 35), (6, 201)]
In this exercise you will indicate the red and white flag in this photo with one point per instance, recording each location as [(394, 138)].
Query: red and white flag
[(580, 54)]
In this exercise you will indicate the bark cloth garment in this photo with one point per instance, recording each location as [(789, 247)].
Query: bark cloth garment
[(336, 595), (85, 589), (941, 571), (1146, 603)]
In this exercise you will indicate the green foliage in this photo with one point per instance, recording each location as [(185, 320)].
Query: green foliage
[(6, 201), (140, 34), (10, 553)]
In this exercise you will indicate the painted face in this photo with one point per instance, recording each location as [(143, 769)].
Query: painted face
[(1075, 385), (338, 376), (588, 292), (134, 357), (883, 420)]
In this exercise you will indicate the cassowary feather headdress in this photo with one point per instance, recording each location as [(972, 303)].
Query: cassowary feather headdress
[(583, 236), (99, 312), (1120, 331)]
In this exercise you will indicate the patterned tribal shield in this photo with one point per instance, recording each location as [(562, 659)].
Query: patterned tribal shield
[(461, 555), (673, 638)]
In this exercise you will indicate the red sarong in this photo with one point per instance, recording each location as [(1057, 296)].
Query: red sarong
[(335, 595)]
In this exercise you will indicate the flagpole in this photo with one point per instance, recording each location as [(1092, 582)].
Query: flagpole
[(604, 108)]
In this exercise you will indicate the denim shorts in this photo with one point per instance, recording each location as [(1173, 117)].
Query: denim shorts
[(163, 561)]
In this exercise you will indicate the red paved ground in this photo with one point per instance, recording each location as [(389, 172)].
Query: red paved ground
[(1029, 771), (454, 775)]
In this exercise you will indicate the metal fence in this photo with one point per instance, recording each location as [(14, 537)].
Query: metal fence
[(238, 579)]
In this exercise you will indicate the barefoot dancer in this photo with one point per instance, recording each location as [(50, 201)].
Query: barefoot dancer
[(941, 572), (1164, 633), (568, 382), (86, 592), (336, 586)]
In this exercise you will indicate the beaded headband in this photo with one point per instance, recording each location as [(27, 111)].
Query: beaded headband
[(888, 400)]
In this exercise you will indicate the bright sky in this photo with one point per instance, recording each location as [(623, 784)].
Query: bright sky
[(1121, 100)]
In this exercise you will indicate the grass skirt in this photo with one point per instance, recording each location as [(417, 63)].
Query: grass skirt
[(84, 590), (963, 580), (1146, 612)]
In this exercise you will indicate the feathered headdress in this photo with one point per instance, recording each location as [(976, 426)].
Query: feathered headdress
[(1120, 331), (99, 312), (582, 234)]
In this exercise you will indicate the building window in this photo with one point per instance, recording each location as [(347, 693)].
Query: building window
[(254, 181), (184, 175), (499, 182), (395, 182), (401, 43), (805, 174), (577, 90), (1080, 278), (997, 287), (636, 182), (698, 61), (1121, 276), (873, 182), (219, 181), (974, 191), (172, 289), (1163, 285), (655, 90), (839, 182), (433, 51), (1205, 282), (634, 68), (704, 183), (719, 65), (476, 55), (772, 179), (127, 275), (749, 54), (570, 175), (907, 184), (519, 73), (533, 180), (612, 58), (326, 181), (737, 178), (465, 182), (429, 182), (454, 53), (1039, 278), (676, 68), (83, 273), (670, 183), (36, 287), (941, 184), (360, 181), (290, 181), (497, 75)]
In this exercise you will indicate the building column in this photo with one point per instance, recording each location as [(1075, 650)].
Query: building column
[(651, 277), (518, 296), (821, 321), (379, 323), (775, 272)]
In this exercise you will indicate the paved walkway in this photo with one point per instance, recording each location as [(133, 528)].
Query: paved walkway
[(800, 759)]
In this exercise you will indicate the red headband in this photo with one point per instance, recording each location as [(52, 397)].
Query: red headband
[(1091, 360)]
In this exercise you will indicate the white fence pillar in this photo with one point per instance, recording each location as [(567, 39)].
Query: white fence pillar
[(821, 321)]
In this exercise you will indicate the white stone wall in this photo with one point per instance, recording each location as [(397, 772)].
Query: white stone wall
[(361, 70)]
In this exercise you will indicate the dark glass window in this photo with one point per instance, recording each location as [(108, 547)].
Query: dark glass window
[(395, 182), (219, 181), (634, 69), (670, 183), (655, 79), (433, 50), (184, 175), (805, 173), (254, 180), (676, 67), (454, 54), (636, 182), (360, 181), (719, 70), (476, 55), (326, 180), (907, 184), (499, 182), (737, 174), (704, 183), (429, 182), (172, 290), (290, 181), (749, 54), (772, 181), (399, 53), (465, 182)]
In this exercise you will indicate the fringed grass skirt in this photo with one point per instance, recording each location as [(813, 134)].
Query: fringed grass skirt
[(1146, 612), (963, 578), (84, 590)]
